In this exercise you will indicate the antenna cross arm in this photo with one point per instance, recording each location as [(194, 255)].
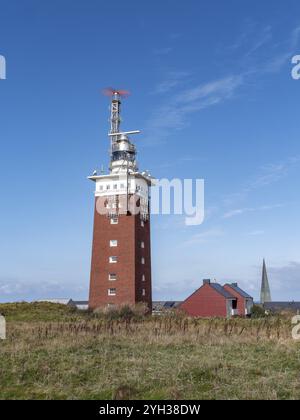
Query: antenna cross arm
[(124, 132)]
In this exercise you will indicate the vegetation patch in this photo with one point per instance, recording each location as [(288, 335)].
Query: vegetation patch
[(56, 352)]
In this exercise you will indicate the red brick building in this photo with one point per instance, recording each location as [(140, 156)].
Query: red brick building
[(121, 253), (214, 300), (244, 301)]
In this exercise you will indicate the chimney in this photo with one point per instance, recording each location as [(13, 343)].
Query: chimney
[(206, 281)]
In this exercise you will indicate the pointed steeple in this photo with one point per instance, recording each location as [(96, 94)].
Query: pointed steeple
[(265, 294)]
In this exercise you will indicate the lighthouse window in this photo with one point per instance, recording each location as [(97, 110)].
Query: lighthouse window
[(101, 187), (114, 220), (112, 292), (142, 223), (113, 259), (122, 186), (143, 260), (143, 277), (108, 187), (112, 276), (115, 186), (142, 244), (143, 292), (113, 242)]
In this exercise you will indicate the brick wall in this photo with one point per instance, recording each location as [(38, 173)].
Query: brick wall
[(205, 302), (129, 270)]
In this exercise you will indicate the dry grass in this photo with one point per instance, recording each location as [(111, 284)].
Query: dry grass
[(74, 356)]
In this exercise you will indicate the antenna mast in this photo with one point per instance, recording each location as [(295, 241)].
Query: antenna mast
[(115, 111), (122, 151)]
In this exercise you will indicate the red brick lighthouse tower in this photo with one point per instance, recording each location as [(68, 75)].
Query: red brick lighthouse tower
[(121, 256)]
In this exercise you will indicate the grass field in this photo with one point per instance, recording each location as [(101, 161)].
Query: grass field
[(53, 352)]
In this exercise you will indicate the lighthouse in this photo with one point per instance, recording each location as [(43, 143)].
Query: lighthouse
[(121, 252)]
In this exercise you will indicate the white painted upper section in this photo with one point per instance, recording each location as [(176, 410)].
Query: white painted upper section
[(109, 185)]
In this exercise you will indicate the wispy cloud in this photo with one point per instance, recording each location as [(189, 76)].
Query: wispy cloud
[(251, 37), (262, 38), (173, 79), (162, 51), (256, 233), (255, 40), (209, 93), (269, 174), (295, 37), (204, 236), (238, 212), (273, 172), (173, 113), (266, 175), (277, 55)]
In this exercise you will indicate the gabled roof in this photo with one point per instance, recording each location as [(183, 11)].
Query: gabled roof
[(220, 289), (239, 290), (216, 286)]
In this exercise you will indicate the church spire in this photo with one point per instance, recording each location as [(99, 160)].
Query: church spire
[(265, 294)]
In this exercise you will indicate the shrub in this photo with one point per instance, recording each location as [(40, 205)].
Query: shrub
[(258, 312), (123, 312)]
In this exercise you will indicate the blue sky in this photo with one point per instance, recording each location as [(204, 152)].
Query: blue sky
[(213, 94)]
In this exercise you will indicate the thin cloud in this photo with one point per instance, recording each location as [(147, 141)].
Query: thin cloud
[(266, 175), (172, 115), (264, 37), (295, 37), (241, 211), (273, 172), (251, 38), (256, 233), (205, 236), (276, 55), (216, 90), (162, 51), (236, 212), (172, 80)]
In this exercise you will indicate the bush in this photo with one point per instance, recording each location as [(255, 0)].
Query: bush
[(123, 312), (258, 312)]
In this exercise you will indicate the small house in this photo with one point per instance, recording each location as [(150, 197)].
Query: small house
[(214, 300)]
